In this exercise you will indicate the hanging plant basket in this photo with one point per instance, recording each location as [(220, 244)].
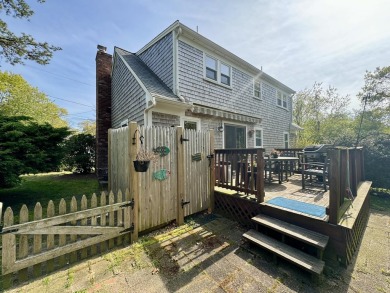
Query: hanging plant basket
[(141, 166)]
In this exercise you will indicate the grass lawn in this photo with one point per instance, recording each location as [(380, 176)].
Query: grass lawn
[(48, 186)]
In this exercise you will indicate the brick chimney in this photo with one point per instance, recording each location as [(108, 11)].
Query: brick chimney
[(103, 110)]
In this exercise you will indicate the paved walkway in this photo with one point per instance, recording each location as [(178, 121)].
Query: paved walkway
[(205, 256)]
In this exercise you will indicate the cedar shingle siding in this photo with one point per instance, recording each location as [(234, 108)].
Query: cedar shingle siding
[(128, 98), (159, 58)]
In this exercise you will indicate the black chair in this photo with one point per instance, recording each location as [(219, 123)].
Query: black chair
[(317, 169)]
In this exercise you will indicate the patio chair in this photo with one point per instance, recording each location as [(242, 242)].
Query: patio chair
[(315, 169)]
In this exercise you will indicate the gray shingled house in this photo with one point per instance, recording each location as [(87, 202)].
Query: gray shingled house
[(182, 78)]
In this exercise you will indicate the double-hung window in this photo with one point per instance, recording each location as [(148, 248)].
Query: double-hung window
[(225, 74), (256, 89), (258, 137), (211, 68), (286, 140), (282, 99), (217, 71)]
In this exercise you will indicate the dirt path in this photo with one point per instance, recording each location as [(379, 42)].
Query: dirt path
[(204, 256)]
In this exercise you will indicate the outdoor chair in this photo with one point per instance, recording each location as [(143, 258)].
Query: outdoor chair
[(315, 169)]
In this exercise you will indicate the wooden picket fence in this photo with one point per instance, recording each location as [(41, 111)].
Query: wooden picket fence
[(71, 232)]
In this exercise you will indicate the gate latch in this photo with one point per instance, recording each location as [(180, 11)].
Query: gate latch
[(129, 204), (210, 157), (183, 203), (183, 139)]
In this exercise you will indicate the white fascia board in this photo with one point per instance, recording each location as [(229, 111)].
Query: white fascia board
[(159, 37)]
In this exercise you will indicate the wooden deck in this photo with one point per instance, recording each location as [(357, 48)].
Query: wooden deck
[(291, 189)]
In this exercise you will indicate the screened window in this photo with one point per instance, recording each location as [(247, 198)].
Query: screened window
[(257, 89), (190, 125), (211, 68), (258, 138), (225, 74), (286, 140), (279, 98), (282, 99)]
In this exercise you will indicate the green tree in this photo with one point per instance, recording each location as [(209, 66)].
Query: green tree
[(80, 153), (16, 48), (88, 127), (317, 110), (18, 98), (28, 147)]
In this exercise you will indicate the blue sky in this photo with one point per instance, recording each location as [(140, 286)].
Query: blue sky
[(297, 42)]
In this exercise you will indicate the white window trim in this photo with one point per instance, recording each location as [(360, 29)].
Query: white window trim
[(191, 119), (238, 124), (260, 97), (283, 96), (288, 139), (219, 61), (262, 135)]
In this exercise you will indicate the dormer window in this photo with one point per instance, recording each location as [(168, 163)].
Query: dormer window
[(211, 68), (217, 71)]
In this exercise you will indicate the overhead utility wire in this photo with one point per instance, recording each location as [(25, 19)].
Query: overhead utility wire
[(59, 75), (71, 101)]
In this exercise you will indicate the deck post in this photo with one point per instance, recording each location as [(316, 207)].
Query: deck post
[(334, 185), (212, 172), (180, 176), (260, 176), (134, 176)]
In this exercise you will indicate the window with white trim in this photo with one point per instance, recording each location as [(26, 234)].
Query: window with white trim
[(257, 89), (211, 68), (286, 139), (218, 71), (282, 99), (258, 137), (190, 123), (225, 74)]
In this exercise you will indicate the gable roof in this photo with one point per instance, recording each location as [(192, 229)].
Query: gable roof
[(154, 85), (195, 36)]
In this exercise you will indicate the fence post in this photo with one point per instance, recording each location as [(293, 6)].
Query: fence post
[(109, 160), (180, 175), (212, 171), (334, 185), (134, 177), (8, 250)]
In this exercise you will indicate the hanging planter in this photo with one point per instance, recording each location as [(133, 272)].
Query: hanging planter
[(142, 160), (141, 166)]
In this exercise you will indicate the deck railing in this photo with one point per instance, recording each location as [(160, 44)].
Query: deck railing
[(346, 171), (241, 170)]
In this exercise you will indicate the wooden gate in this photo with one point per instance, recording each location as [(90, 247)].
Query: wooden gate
[(66, 237), (187, 186), (197, 171)]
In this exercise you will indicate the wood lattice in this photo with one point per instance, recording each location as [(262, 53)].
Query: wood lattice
[(355, 235), (238, 209)]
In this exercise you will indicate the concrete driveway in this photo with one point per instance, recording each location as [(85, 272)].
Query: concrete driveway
[(206, 255)]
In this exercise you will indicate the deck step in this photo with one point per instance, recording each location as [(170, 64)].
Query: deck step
[(304, 235), (304, 260)]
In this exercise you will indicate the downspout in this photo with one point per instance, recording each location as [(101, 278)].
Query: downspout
[(152, 103)]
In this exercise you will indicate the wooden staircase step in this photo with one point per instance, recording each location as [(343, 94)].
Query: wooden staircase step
[(304, 260), (304, 235)]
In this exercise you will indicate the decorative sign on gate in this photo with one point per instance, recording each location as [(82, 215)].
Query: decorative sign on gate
[(196, 157), (161, 174), (162, 150)]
